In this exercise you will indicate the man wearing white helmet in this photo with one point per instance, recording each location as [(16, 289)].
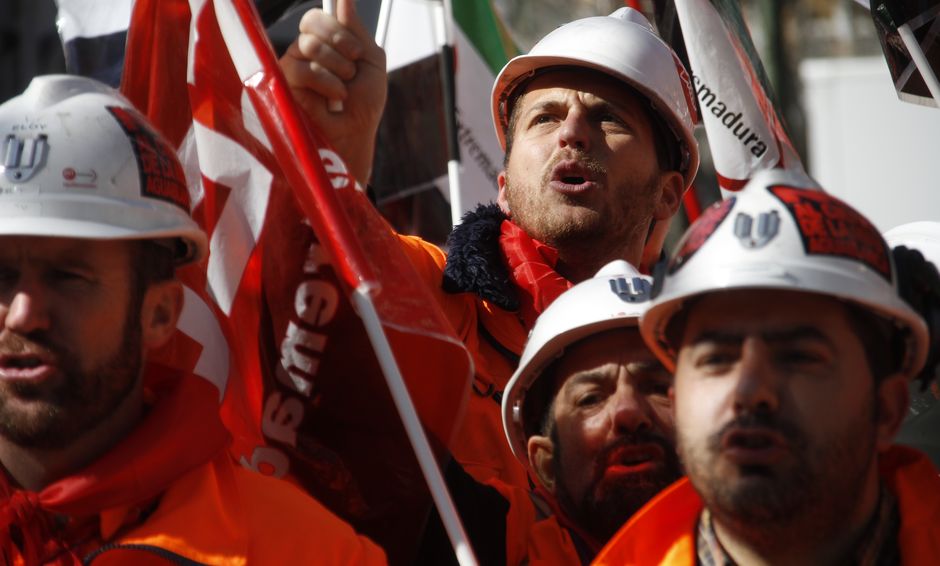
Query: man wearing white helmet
[(108, 456), (792, 352), (587, 413), (597, 126)]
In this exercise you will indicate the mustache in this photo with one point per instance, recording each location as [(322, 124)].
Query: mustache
[(36, 344), (757, 421), (632, 440), (584, 159)]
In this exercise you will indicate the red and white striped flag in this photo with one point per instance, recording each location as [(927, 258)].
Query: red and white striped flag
[(292, 244)]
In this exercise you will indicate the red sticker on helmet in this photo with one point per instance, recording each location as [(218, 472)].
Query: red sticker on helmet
[(686, 83), (161, 175), (700, 231), (828, 226)]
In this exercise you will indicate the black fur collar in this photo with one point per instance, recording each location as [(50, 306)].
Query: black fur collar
[(475, 261)]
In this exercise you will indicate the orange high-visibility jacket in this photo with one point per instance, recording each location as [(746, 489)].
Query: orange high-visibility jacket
[(223, 514), (550, 544), (506, 527), (532, 539), (493, 336), (664, 531)]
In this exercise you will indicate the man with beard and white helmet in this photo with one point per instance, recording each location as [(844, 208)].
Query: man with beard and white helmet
[(792, 352), (108, 456), (587, 413), (596, 121)]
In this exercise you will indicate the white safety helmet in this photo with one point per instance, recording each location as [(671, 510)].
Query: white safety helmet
[(624, 46), (614, 298), (79, 162), (778, 234), (923, 236)]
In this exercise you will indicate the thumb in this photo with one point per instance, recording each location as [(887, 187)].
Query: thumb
[(347, 15)]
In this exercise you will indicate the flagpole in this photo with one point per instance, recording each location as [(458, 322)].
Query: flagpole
[(381, 26), (920, 60), (445, 22), (422, 448), (334, 104)]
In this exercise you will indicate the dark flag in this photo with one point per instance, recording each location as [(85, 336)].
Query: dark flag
[(909, 31)]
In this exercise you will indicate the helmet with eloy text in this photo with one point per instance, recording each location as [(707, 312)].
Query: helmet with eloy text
[(614, 298), (778, 234), (80, 162)]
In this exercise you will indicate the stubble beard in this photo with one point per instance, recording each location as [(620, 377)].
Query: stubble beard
[(607, 505), (585, 232), (808, 498), (79, 400)]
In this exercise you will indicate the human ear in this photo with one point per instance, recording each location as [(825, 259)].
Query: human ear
[(893, 398), (541, 458), (672, 187), (501, 199), (160, 311)]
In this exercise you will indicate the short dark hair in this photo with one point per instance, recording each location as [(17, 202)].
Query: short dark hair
[(151, 262), (664, 141), (883, 342), (539, 403)]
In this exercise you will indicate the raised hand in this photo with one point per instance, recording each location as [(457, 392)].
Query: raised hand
[(336, 58)]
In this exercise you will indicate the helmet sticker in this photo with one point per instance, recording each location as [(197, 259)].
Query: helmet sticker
[(686, 83), (700, 231), (768, 223), (81, 179), (636, 290), (828, 226), (161, 175), (23, 157)]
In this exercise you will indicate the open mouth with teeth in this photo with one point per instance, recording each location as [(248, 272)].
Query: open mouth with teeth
[(633, 459), (26, 367), (27, 362), (572, 177)]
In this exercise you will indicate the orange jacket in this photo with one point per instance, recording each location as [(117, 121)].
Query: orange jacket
[(550, 544), (496, 515), (221, 513), (480, 444), (664, 531)]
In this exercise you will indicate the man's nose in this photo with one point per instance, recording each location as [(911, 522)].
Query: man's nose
[(575, 130), (27, 311), (630, 413), (758, 380)]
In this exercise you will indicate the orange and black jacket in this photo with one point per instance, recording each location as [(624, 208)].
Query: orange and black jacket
[(474, 288)]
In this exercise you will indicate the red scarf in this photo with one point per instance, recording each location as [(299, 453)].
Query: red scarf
[(532, 265), (180, 432)]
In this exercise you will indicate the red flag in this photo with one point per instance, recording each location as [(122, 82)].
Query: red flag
[(305, 396)]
